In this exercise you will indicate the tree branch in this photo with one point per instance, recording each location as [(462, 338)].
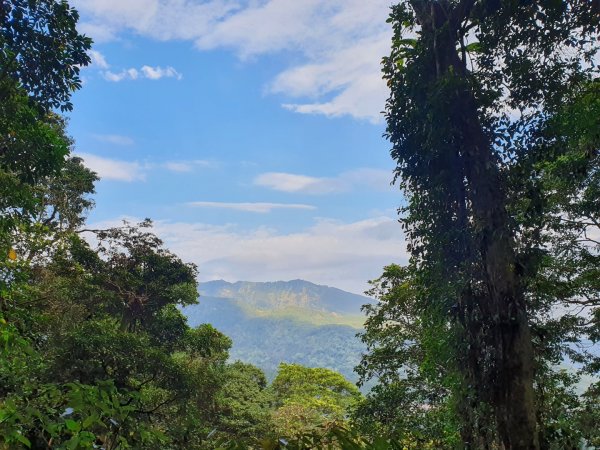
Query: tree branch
[(461, 12), (160, 405), (421, 9)]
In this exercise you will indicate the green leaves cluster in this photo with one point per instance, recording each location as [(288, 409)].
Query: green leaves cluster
[(306, 398), (42, 51)]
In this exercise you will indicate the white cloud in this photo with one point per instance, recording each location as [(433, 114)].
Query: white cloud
[(344, 255), (338, 43), (178, 166), (115, 77), (115, 139), (156, 73), (188, 166), (346, 181), (288, 182), (160, 19), (151, 73), (113, 169), (99, 32), (126, 74), (98, 59), (352, 75), (255, 207)]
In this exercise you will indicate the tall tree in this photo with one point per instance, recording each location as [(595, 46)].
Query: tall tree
[(41, 54), (471, 83)]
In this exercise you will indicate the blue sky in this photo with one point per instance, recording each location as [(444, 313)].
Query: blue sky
[(249, 131)]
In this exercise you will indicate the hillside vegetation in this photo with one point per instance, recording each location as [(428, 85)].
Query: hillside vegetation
[(294, 322)]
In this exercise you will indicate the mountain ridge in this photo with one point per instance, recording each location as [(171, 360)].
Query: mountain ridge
[(277, 295), (294, 321)]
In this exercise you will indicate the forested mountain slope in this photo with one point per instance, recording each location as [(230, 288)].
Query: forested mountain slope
[(290, 321)]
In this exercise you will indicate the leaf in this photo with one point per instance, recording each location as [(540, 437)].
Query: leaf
[(73, 443), (23, 440), (90, 420), (407, 42), (72, 425), (474, 47)]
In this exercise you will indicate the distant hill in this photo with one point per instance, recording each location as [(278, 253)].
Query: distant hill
[(285, 321), (296, 299)]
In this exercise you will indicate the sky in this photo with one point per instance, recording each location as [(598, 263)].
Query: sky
[(250, 131)]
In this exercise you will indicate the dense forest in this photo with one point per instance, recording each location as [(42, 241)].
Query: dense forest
[(480, 342)]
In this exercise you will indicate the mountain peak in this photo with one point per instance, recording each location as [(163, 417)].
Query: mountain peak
[(294, 294)]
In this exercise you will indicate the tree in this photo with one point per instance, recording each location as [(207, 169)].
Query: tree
[(415, 394), (408, 356), (41, 54), (135, 273), (455, 143), (308, 397), (244, 403), (129, 375), (95, 352), (41, 51), (59, 206), (33, 146), (563, 218)]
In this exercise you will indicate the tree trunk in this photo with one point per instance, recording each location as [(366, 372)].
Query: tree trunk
[(509, 380), (512, 382)]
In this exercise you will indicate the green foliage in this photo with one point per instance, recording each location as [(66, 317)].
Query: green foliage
[(412, 399), (498, 205), (32, 146), (244, 403), (559, 224), (42, 50), (307, 397), (589, 415), (93, 379), (40, 58), (334, 436)]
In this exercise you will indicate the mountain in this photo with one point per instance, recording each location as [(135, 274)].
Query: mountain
[(285, 321)]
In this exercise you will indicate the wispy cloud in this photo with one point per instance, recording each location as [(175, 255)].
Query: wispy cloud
[(125, 74), (256, 207), (347, 181), (178, 166), (352, 74), (98, 31), (329, 252), (115, 139), (148, 72), (113, 169), (339, 43), (188, 166), (98, 59), (156, 73), (119, 170), (289, 182)]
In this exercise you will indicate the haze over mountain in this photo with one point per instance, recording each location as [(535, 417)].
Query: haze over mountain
[(285, 321)]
